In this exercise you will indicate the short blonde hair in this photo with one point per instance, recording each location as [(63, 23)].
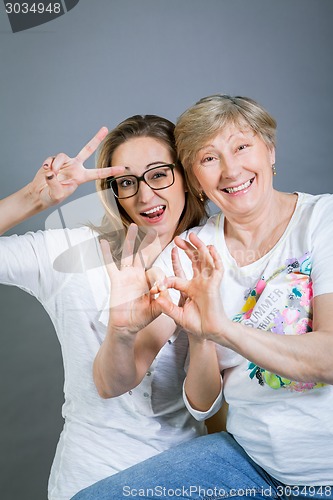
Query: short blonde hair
[(202, 121)]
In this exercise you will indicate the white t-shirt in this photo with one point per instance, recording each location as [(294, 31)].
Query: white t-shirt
[(285, 426), (63, 270)]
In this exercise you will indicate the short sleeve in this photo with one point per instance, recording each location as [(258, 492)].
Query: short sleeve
[(22, 260), (31, 261), (203, 415), (322, 246)]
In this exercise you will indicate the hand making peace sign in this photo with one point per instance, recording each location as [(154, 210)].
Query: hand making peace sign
[(60, 175)]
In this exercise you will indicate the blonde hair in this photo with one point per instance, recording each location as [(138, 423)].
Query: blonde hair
[(198, 124), (157, 128)]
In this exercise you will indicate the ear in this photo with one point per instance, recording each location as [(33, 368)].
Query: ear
[(272, 155)]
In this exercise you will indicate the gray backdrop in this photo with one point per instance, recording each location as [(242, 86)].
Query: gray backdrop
[(101, 62)]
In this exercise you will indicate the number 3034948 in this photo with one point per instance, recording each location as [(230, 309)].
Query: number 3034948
[(35, 8)]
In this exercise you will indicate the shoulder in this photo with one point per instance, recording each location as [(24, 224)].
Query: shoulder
[(74, 250), (316, 203), (59, 240), (315, 211), (52, 244), (206, 230)]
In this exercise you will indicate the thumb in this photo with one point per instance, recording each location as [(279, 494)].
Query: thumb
[(169, 308), (155, 276), (107, 257)]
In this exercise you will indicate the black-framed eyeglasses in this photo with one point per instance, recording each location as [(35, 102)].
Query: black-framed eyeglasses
[(126, 186)]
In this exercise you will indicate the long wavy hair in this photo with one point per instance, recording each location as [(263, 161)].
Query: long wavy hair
[(157, 128)]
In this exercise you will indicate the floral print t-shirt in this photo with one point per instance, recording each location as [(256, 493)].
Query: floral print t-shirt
[(284, 425)]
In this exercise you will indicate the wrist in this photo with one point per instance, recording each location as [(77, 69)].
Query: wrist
[(197, 341), (32, 199), (224, 335), (122, 334)]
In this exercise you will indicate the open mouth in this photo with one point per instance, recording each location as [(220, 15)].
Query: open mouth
[(246, 185), (154, 213)]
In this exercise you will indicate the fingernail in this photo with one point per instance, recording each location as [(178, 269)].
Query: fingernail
[(161, 287)]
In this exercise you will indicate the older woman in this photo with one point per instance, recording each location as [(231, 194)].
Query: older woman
[(258, 282)]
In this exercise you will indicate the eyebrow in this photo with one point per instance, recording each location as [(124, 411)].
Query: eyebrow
[(241, 132), (154, 163)]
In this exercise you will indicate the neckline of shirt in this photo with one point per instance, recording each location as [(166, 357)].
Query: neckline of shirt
[(250, 268)]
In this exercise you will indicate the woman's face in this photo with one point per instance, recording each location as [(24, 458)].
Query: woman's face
[(160, 209), (234, 169)]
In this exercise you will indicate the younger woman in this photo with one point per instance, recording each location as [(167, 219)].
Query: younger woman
[(64, 270)]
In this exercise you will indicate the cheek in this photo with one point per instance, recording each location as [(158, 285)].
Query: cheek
[(176, 197), (127, 207)]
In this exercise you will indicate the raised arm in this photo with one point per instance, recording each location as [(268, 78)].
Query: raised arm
[(57, 179), (203, 383), (136, 331)]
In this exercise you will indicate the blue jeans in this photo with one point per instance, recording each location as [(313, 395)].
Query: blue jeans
[(206, 468)]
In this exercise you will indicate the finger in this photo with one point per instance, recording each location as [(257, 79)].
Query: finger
[(205, 260), (107, 257), (148, 249), (92, 145), (59, 161), (191, 250), (154, 276), (176, 264), (169, 308), (47, 165), (129, 245), (183, 244), (56, 192), (179, 284), (216, 257), (191, 253), (92, 174), (179, 272)]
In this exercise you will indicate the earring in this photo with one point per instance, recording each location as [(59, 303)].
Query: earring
[(201, 196), (274, 169)]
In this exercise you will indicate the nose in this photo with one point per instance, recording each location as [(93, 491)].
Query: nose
[(145, 193), (230, 167)]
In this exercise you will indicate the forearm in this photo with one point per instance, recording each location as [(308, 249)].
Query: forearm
[(203, 380), (303, 358), (124, 357), (115, 366), (18, 207)]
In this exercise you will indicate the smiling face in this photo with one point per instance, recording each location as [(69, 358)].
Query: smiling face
[(234, 169), (160, 209)]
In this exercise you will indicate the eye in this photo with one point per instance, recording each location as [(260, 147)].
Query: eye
[(158, 174), (208, 159), (242, 147), (125, 183)]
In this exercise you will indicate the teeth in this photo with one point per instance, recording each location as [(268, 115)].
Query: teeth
[(239, 188), (153, 210)]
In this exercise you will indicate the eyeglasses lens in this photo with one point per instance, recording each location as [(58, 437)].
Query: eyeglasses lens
[(156, 178)]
